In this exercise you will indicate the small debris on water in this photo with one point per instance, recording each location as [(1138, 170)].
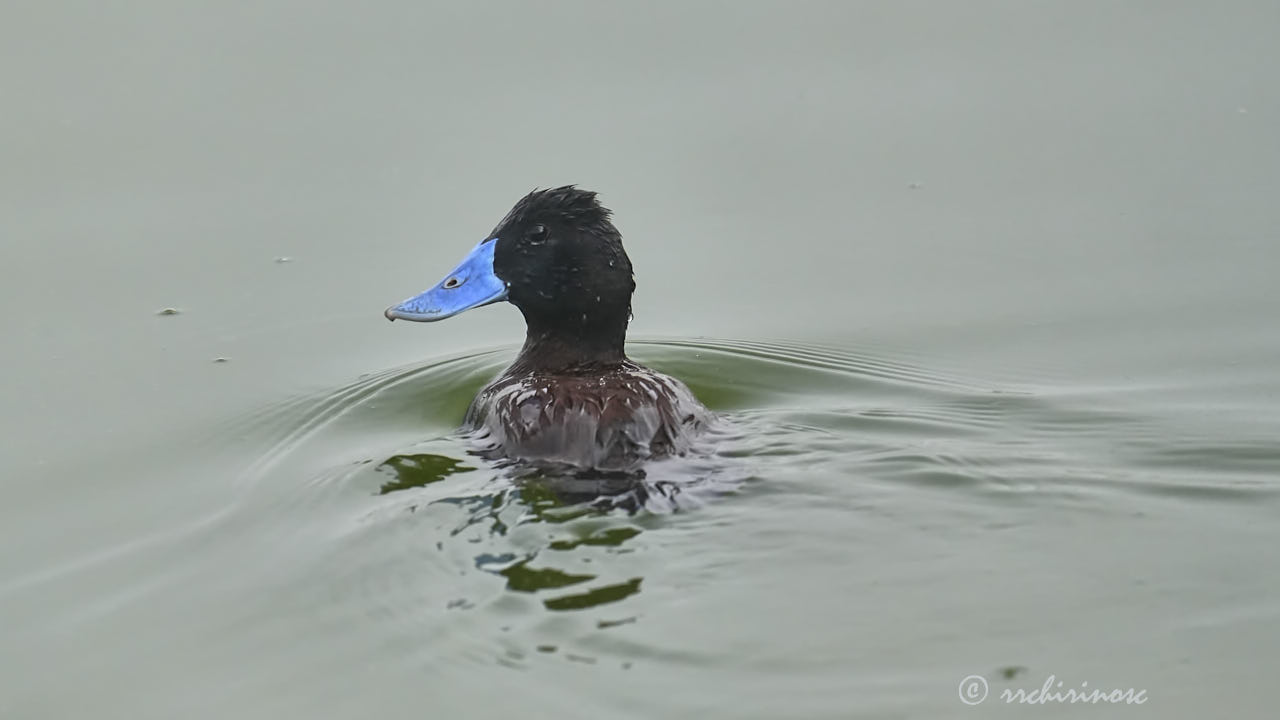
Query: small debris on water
[(915, 185), (169, 311), (221, 359), (1011, 671), (284, 259)]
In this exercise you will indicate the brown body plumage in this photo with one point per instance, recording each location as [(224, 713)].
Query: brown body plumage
[(610, 420)]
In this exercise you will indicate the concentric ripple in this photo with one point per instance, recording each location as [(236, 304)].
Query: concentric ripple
[(372, 501)]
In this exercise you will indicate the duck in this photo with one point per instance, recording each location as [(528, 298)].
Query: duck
[(571, 398)]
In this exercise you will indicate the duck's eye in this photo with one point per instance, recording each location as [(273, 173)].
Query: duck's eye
[(537, 234)]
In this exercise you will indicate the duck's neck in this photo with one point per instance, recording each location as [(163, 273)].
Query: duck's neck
[(585, 344)]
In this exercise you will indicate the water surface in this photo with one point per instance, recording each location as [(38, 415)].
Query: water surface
[(983, 294)]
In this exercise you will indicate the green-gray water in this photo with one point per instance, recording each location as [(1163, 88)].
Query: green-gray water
[(984, 293)]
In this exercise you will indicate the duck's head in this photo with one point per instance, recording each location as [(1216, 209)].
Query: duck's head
[(556, 256)]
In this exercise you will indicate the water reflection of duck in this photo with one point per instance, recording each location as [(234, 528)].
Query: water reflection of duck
[(572, 396)]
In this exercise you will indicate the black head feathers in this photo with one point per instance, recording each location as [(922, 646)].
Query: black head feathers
[(568, 204)]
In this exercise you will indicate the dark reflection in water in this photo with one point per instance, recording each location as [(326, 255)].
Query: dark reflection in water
[(543, 487), (522, 578), (610, 537), (552, 487), (414, 471), (595, 597), (540, 494)]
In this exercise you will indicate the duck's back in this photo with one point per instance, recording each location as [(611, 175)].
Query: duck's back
[(607, 420)]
